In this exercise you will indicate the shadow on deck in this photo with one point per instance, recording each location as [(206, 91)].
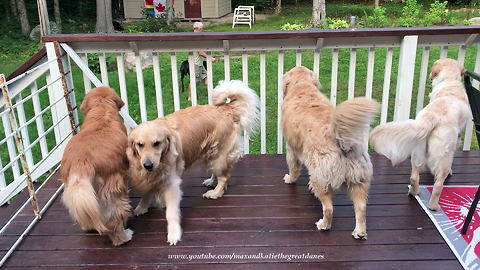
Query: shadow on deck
[(258, 218)]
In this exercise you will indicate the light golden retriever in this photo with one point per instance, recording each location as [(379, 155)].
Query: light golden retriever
[(161, 149), (433, 137), (94, 168), (331, 143)]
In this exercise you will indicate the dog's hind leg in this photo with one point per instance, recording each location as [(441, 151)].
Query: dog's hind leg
[(294, 166), (144, 203), (221, 186), (173, 196), (116, 209), (418, 161), (119, 235), (325, 197), (359, 193)]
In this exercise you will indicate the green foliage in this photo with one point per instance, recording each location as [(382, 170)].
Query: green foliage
[(336, 23), (94, 65), (258, 4), (377, 20), (154, 24), (467, 22), (436, 14), (293, 26), (410, 13)]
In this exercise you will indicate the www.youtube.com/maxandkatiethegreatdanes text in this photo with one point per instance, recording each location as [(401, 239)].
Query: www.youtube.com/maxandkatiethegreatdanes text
[(234, 256)]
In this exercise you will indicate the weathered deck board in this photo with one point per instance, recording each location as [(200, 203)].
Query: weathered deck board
[(258, 214)]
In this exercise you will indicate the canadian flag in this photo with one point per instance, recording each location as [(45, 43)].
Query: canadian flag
[(159, 6)]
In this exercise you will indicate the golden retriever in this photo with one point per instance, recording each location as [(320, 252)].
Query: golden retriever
[(331, 143), (161, 149), (433, 137), (94, 168)]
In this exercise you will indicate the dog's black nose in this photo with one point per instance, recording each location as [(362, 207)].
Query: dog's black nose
[(148, 165)]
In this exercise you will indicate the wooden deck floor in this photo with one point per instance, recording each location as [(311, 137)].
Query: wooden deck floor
[(258, 215)]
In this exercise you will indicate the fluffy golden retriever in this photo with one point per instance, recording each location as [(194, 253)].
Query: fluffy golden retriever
[(331, 143), (94, 168), (161, 149), (433, 137)]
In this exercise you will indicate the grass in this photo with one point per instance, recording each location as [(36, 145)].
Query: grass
[(291, 14)]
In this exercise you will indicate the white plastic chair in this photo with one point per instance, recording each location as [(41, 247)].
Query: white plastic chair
[(244, 15)]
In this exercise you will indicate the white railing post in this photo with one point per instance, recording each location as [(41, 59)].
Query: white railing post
[(406, 72), (55, 92)]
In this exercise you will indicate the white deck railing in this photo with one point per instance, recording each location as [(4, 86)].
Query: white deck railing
[(45, 122)]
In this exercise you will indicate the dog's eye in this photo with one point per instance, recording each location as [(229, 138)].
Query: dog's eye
[(140, 145), (156, 144)]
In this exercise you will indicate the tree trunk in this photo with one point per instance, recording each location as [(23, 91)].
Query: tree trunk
[(13, 6), (104, 17), (377, 3), (169, 11), (318, 13), (22, 13), (58, 19), (278, 7), (100, 25), (108, 16)]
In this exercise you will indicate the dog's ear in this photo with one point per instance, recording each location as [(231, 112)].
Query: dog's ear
[(436, 68), (85, 107), (131, 149), (462, 70), (118, 101), (287, 79)]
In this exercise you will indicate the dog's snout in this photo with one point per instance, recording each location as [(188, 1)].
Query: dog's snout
[(148, 165)]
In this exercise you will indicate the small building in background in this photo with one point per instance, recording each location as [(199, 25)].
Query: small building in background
[(188, 9)]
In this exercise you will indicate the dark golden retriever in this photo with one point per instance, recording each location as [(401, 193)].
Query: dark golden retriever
[(95, 167)]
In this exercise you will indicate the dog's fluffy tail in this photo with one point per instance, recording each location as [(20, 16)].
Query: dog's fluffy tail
[(80, 198), (351, 123), (245, 100), (397, 140)]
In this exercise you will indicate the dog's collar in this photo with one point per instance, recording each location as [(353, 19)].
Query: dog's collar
[(444, 79)]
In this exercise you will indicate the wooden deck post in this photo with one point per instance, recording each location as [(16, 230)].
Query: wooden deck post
[(406, 72)]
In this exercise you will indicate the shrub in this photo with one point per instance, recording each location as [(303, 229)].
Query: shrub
[(94, 63), (336, 23), (154, 24), (436, 14), (293, 26), (409, 13), (378, 19)]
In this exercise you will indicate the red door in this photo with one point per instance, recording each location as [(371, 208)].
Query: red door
[(193, 9)]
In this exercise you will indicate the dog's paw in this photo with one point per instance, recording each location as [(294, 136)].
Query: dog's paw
[(212, 194), (322, 226), (210, 183), (122, 238), (357, 234), (140, 211), (174, 234), (288, 179), (434, 207), (414, 191)]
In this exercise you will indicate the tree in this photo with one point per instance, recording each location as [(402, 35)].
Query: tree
[(278, 7), (318, 13), (58, 19), (104, 17), (22, 13), (169, 11), (376, 3)]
